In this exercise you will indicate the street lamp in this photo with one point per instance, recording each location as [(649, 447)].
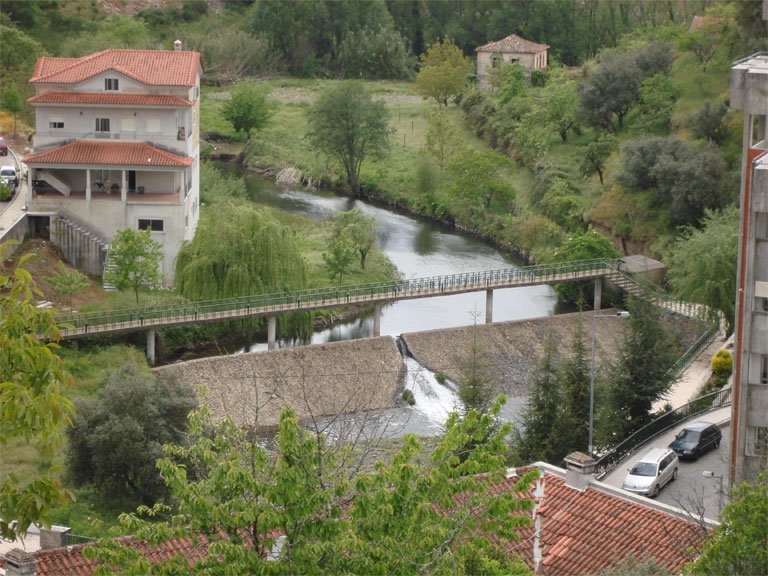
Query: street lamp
[(619, 314), (710, 474)]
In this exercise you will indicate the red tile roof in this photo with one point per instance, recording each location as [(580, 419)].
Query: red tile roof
[(513, 43), (89, 98), (151, 67), (586, 532), (109, 153)]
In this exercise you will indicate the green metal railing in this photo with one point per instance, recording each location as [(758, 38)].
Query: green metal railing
[(264, 304)]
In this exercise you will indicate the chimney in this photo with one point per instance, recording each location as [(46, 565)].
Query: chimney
[(177, 45), (579, 470), (53, 537), (19, 563)]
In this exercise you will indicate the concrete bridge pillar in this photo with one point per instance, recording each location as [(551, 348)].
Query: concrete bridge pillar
[(377, 319), (271, 330), (151, 347), (598, 292), (488, 306)]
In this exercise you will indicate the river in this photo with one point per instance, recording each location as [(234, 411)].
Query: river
[(418, 248)]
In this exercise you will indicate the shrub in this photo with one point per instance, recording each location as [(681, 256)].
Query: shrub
[(5, 193), (538, 78), (440, 377), (722, 363), (408, 397)]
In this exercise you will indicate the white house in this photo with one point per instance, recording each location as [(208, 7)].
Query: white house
[(116, 146), (513, 48)]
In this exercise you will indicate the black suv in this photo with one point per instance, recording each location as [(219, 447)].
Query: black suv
[(696, 439)]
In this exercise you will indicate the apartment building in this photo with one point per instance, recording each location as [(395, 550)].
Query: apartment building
[(116, 146)]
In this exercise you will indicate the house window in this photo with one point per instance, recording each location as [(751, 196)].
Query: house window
[(102, 124), (111, 84), (56, 124), (153, 225), (757, 441), (764, 370)]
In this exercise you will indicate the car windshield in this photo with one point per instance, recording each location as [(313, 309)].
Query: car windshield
[(688, 436), (7, 171), (644, 469)]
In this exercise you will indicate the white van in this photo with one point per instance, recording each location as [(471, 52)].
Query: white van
[(656, 469)]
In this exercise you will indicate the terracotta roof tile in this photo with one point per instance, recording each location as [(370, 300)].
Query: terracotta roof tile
[(109, 153), (152, 67), (90, 98), (513, 43)]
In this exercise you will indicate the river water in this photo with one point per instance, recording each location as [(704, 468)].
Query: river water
[(418, 248)]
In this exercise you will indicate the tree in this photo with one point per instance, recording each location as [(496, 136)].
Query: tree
[(597, 153), (585, 246), (738, 544), (608, 93), (477, 377), (33, 407), (657, 100), (562, 103), (338, 260), (359, 229), (540, 417), (511, 83), (68, 281), (348, 125), (683, 178), (702, 264), (640, 374), (702, 42), (443, 73), (707, 122), (476, 178), (248, 108), (118, 436), (135, 258), (10, 100), (297, 508), (574, 377), (443, 139)]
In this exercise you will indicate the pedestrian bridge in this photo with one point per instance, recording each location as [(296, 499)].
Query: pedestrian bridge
[(77, 325)]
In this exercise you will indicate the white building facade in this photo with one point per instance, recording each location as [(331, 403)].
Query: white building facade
[(116, 146)]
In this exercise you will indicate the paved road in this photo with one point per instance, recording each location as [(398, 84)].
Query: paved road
[(12, 210), (692, 491)]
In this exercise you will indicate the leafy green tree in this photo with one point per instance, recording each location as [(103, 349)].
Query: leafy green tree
[(444, 72), (68, 281), (707, 122), (476, 178), (136, 260), (536, 440), (10, 101), (33, 406), (702, 42), (19, 53), (574, 376), (297, 508), (510, 83), (585, 246), (118, 437), (346, 124), (562, 102), (376, 54), (631, 566), (738, 544), (339, 257), (443, 138), (639, 375), (359, 229), (657, 100), (248, 108), (596, 154), (702, 263)]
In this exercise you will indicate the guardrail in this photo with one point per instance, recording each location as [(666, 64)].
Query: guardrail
[(262, 304), (614, 456)]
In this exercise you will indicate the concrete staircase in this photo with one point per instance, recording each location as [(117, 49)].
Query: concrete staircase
[(82, 246), (54, 181)]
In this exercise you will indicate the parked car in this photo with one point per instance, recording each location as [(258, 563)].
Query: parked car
[(695, 439), (657, 468), (9, 177), (3, 147)]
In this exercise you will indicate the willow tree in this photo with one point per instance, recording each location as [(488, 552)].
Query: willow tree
[(241, 250)]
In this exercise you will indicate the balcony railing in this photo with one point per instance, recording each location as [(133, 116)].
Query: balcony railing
[(113, 135)]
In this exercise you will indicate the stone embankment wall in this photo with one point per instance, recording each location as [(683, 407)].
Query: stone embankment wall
[(315, 380)]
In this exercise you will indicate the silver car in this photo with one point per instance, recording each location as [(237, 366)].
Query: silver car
[(656, 469)]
